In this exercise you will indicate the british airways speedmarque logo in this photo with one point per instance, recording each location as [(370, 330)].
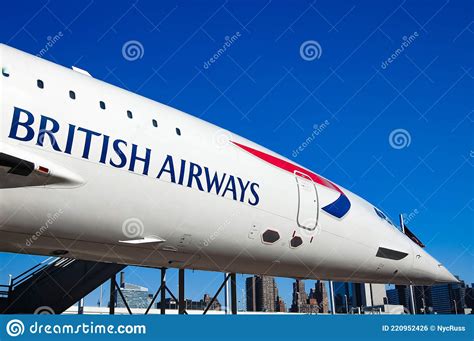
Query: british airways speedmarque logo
[(338, 208), (118, 153)]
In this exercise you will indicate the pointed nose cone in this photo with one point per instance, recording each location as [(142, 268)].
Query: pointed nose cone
[(427, 270)]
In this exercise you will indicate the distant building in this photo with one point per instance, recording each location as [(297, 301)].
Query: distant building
[(136, 296), (280, 305), (350, 296), (262, 294), (321, 296), (215, 305), (447, 298), (202, 304), (301, 303), (400, 295), (423, 300), (251, 293), (470, 296)]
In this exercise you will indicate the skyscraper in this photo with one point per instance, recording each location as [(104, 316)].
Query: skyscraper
[(357, 295), (400, 295), (449, 298), (423, 300), (262, 294), (280, 305), (321, 296), (251, 293), (470, 296), (301, 302), (135, 295)]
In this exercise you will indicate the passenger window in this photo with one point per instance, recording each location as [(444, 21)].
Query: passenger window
[(129, 114), (155, 123), (178, 131), (5, 72), (40, 84), (102, 105), (72, 94)]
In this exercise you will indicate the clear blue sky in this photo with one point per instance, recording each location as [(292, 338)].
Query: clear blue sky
[(262, 89)]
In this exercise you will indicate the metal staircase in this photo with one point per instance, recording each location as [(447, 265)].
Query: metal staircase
[(54, 285)]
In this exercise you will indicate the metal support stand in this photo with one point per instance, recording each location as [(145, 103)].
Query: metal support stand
[(233, 293), (412, 300), (217, 294), (163, 289), (226, 294), (80, 307), (331, 297), (114, 288), (182, 299), (163, 292), (112, 296)]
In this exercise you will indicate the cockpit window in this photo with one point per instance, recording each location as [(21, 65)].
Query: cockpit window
[(379, 213), (383, 216)]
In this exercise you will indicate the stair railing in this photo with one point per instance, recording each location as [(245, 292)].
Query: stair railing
[(24, 276)]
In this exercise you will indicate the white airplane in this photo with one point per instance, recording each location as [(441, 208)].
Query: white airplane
[(93, 172)]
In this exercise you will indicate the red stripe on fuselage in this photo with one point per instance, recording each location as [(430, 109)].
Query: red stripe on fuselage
[(288, 166)]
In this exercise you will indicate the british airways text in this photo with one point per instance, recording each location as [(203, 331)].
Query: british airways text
[(119, 153)]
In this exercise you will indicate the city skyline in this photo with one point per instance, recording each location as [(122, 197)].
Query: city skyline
[(262, 295)]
